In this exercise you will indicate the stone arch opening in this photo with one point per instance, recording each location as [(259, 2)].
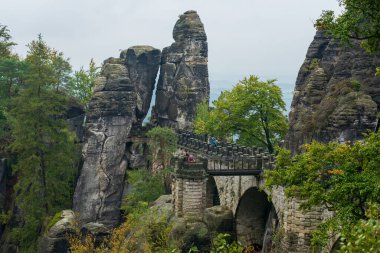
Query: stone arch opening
[(255, 219), (212, 194)]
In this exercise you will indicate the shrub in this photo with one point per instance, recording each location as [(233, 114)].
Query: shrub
[(146, 187)]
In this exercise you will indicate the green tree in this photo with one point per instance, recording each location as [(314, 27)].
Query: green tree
[(343, 178), (61, 68), (5, 42), (162, 144), (82, 83), (46, 153), (365, 235), (12, 71), (359, 20), (253, 111), (145, 187), (201, 118)]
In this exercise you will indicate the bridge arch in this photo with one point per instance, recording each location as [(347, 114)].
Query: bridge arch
[(212, 193), (255, 219)]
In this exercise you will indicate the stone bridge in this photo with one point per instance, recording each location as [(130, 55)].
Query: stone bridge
[(226, 158), (231, 175)]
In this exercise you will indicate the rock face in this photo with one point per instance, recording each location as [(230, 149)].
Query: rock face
[(219, 218), (119, 101), (183, 81), (337, 95), (75, 117), (56, 238), (142, 63)]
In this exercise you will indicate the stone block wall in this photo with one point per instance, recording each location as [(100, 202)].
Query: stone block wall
[(295, 225), (189, 191)]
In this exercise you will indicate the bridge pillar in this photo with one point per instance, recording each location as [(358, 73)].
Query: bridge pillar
[(189, 193)]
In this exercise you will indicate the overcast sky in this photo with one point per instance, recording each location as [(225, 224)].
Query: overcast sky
[(268, 38)]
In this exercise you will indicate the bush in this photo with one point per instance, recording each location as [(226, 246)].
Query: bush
[(145, 230), (146, 187), (162, 144)]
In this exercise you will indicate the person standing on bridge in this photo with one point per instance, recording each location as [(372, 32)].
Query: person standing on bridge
[(211, 141), (190, 159)]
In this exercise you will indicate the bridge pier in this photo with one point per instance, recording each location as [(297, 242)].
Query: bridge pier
[(189, 193)]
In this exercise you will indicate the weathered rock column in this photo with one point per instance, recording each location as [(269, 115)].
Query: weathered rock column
[(183, 82), (189, 192), (122, 94)]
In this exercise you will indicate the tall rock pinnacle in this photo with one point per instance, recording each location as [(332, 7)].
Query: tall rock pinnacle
[(121, 99), (183, 81)]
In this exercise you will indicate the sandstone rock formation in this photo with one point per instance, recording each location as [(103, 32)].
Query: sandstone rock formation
[(75, 117), (142, 63), (120, 100), (337, 95), (219, 219), (183, 81), (56, 238)]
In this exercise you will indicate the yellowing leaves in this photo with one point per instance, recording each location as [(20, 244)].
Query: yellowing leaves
[(335, 172)]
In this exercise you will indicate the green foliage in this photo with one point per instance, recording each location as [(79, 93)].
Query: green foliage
[(46, 154), (5, 42), (5, 217), (222, 244), (12, 71), (344, 178), (313, 64), (253, 111), (365, 235), (378, 71), (355, 84), (54, 220), (145, 230), (201, 118), (82, 83), (145, 187), (162, 144), (360, 20), (61, 69)]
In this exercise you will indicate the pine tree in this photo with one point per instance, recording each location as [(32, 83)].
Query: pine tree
[(46, 153), (12, 71)]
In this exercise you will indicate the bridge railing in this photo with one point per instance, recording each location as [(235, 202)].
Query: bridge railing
[(227, 158)]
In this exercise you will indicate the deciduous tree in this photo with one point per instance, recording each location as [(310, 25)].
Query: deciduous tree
[(82, 82), (360, 20), (343, 178), (253, 111)]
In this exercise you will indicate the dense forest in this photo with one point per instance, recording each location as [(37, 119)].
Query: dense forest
[(36, 93)]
